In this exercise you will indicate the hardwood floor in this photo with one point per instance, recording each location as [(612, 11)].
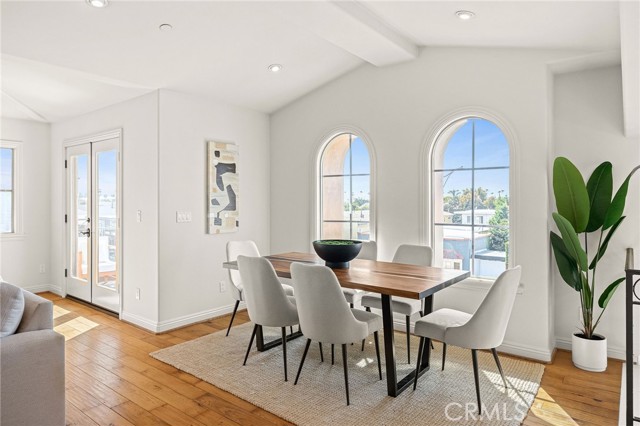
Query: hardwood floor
[(111, 380)]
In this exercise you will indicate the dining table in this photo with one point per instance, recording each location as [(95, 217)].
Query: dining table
[(389, 279)]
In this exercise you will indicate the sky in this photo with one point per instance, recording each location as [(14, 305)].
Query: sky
[(492, 150)]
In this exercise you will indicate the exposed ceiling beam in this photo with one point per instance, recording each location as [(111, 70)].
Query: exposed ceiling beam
[(586, 62), (24, 108), (629, 48), (354, 28)]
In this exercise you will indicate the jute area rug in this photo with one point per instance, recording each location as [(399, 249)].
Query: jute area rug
[(442, 397)]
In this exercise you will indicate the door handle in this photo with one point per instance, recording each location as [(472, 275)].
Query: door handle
[(86, 233)]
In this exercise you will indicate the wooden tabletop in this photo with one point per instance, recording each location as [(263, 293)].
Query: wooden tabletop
[(394, 279)]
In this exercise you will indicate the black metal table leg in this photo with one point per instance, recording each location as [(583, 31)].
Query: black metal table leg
[(428, 308), (262, 346), (395, 387), (389, 347)]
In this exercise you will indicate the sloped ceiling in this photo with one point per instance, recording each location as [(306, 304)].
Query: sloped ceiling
[(62, 59)]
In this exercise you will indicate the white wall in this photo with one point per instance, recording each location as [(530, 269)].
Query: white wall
[(190, 259), (138, 119), (396, 107), (588, 129), (22, 255)]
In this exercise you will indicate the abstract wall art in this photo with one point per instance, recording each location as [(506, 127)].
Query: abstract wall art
[(222, 188)]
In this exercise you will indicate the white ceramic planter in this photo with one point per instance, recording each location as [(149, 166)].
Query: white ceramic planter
[(590, 355)]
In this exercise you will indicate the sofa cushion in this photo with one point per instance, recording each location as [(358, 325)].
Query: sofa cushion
[(11, 308)]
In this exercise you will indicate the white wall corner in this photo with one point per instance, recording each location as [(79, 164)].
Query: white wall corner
[(140, 321), (42, 288)]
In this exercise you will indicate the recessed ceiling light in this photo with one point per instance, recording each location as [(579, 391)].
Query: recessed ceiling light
[(465, 15), (275, 67), (166, 27), (98, 3)]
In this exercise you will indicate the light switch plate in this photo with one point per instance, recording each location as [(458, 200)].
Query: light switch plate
[(183, 217)]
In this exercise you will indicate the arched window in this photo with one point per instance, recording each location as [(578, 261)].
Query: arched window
[(345, 189), (470, 190)]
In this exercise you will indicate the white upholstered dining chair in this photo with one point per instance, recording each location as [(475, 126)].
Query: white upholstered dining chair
[(411, 255), (267, 303), (369, 251), (325, 317), (485, 329), (242, 248)]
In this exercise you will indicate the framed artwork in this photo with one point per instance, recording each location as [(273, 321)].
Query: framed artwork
[(222, 188)]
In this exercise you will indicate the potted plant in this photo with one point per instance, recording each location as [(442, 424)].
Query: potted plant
[(583, 210)]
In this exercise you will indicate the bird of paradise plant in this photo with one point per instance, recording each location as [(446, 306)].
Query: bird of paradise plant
[(586, 209)]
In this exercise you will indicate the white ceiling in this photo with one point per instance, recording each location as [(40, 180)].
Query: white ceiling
[(61, 59)]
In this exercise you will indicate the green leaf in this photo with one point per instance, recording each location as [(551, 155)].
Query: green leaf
[(571, 194), (571, 241), (566, 265), (616, 209), (606, 295), (605, 243), (600, 189)]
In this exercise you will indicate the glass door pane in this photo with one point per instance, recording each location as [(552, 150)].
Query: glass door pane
[(106, 240), (79, 221)]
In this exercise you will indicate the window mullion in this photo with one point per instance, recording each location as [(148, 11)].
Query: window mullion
[(473, 197)]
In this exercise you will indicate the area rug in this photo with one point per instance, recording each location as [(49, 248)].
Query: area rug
[(442, 397)]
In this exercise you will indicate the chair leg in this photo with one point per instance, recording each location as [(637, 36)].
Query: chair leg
[(420, 351), (332, 353), (444, 354), (284, 350), (346, 373), (362, 345), (235, 309), (368, 309), (291, 329), (474, 357), (304, 355), (408, 339), (351, 305), (321, 353), (253, 334), (495, 356), (375, 339)]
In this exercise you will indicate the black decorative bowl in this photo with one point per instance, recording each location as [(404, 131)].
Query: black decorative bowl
[(337, 253)]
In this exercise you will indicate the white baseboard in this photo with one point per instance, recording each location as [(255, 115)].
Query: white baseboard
[(183, 321), (43, 288), (612, 351), (139, 321)]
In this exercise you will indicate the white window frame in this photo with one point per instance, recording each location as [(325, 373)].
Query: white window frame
[(18, 232), (316, 179), (427, 213)]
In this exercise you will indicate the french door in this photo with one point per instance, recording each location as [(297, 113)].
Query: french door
[(93, 222)]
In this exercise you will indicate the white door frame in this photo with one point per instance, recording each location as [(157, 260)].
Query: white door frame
[(111, 134)]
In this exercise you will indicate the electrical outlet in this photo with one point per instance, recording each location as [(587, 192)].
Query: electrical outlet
[(223, 286), (137, 294), (43, 268)]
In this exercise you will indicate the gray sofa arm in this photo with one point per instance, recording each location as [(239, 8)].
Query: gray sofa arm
[(32, 379), (38, 313)]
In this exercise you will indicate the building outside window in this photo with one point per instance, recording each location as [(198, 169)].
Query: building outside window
[(7, 189), (345, 189)]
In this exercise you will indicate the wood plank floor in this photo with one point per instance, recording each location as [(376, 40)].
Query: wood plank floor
[(111, 380)]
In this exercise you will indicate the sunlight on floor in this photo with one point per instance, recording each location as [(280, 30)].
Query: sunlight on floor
[(74, 327), (546, 409), (58, 311)]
